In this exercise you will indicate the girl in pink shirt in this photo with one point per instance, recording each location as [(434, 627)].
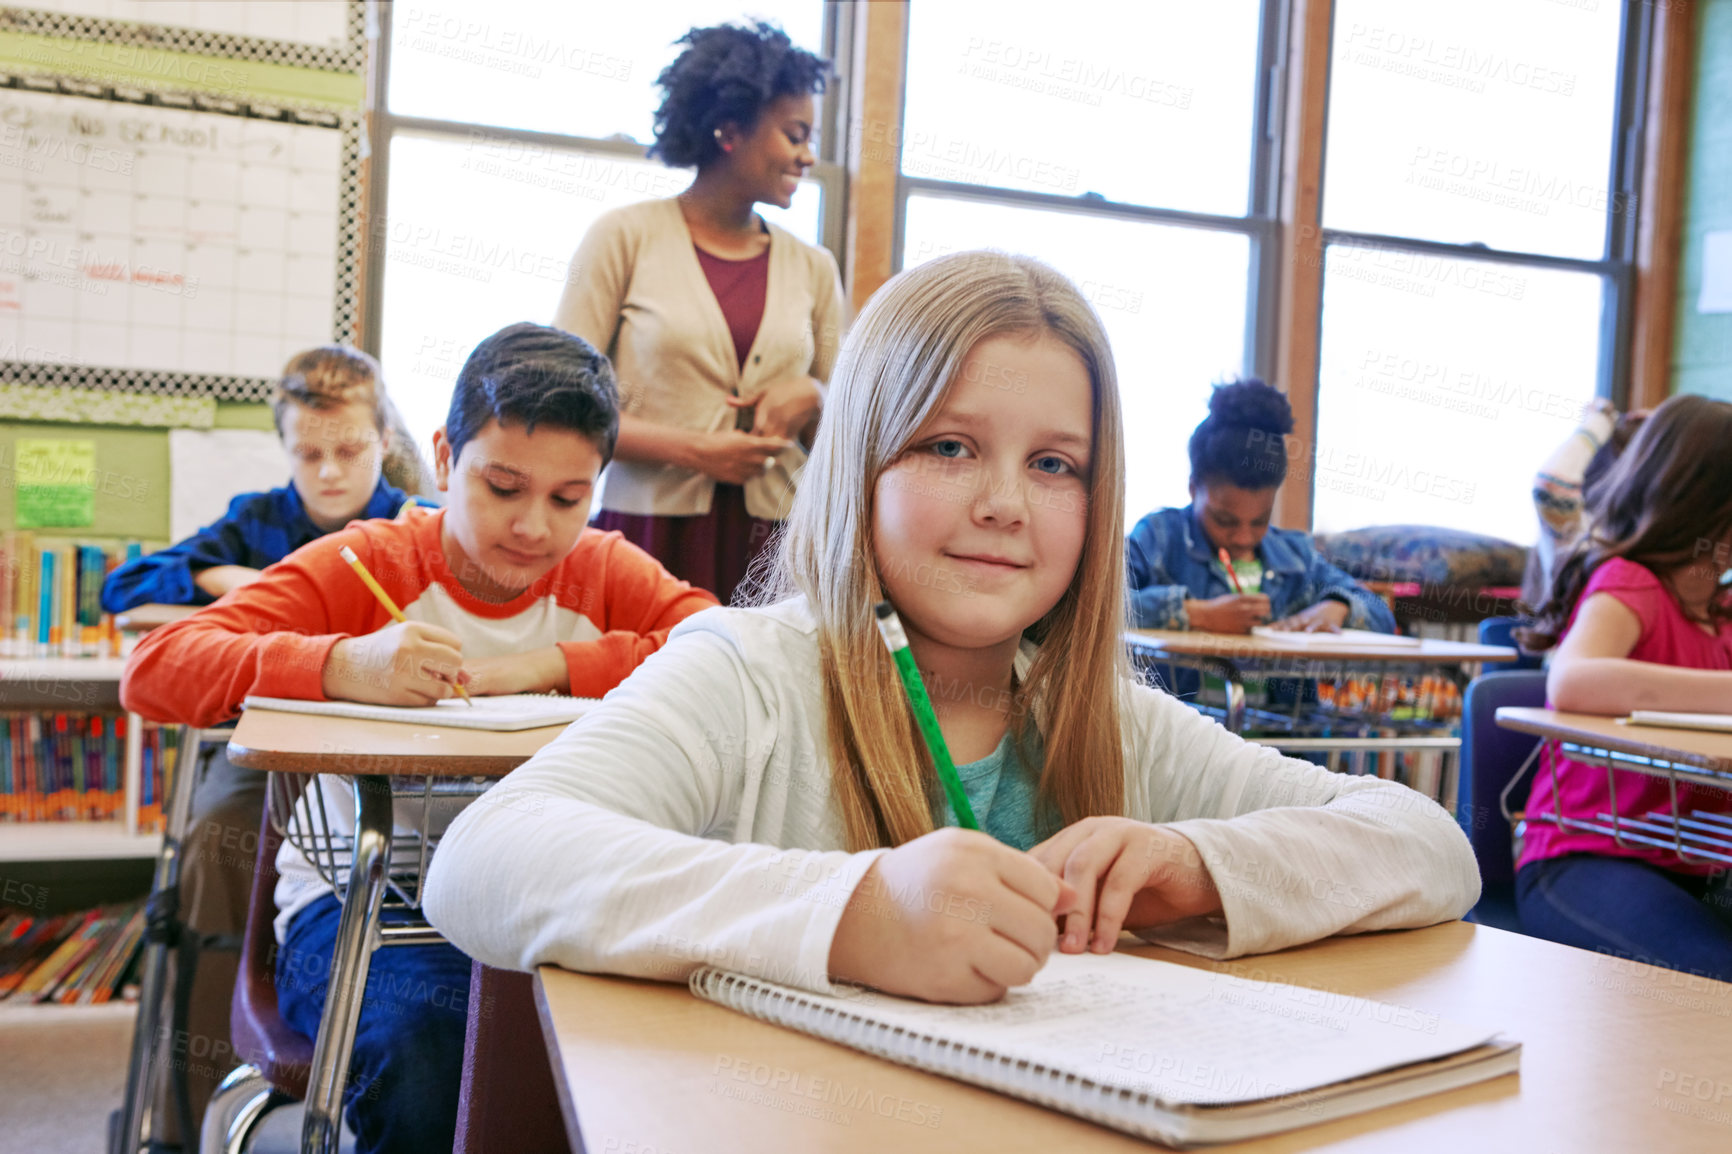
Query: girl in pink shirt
[(1640, 621)]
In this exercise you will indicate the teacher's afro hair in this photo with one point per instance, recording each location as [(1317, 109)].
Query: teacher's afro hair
[(727, 74)]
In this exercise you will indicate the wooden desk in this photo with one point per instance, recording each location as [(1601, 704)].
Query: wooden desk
[(1695, 756), (277, 742), (1246, 647), (1700, 748), (370, 753), (144, 618), (1615, 1058), (1231, 656)]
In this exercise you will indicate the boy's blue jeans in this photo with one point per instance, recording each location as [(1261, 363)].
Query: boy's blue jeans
[(407, 1067), (1629, 909)]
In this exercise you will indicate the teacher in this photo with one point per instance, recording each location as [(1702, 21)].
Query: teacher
[(722, 327)]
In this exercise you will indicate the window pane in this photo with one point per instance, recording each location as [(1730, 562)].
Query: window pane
[(479, 234), (1443, 386), (1142, 101), (1465, 121), (1173, 334), (580, 69)]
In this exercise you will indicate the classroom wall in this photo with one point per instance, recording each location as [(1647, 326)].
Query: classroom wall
[(132, 491), (132, 462), (1702, 349)]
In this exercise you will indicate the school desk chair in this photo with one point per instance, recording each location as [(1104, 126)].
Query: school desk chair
[(1501, 631), (276, 1057), (1491, 758), (164, 1005)]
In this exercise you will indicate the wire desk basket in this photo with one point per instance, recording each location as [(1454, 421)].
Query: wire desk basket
[(1696, 836), (317, 817)]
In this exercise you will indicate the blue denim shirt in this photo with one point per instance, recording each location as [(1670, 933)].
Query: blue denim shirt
[(1171, 561), (259, 530)]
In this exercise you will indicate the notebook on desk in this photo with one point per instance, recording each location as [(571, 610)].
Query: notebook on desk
[(1345, 637), (502, 714), (1167, 1052), (1716, 721)]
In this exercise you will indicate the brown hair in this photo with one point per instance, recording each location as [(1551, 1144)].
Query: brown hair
[(326, 377), (331, 375), (895, 369), (1664, 505)]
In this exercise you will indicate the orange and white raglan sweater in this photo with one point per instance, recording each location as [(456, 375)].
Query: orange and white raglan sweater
[(607, 605)]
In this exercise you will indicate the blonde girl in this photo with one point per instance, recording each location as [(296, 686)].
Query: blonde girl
[(755, 796)]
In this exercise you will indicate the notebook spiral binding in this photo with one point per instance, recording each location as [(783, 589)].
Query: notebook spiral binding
[(1122, 1107)]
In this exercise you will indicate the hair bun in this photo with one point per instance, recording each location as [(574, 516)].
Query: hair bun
[(1251, 404)]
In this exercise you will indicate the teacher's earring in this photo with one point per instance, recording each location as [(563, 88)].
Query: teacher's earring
[(725, 147)]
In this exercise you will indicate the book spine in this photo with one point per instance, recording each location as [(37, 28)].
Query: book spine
[(68, 601), (45, 602), (8, 543)]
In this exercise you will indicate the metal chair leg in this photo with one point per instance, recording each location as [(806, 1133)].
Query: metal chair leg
[(237, 1107), (351, 956), (163, 916)]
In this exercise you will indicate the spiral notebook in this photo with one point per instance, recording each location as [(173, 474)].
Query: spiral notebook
[(503, 714), (1167, 1052), (1721, 722)]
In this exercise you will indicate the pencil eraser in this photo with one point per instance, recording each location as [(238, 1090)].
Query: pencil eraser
[(347, 554)]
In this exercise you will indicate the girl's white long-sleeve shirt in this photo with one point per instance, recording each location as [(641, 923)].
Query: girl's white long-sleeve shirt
[(689, 820)]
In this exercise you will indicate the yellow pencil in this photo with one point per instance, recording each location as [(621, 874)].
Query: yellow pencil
[(348, 555)]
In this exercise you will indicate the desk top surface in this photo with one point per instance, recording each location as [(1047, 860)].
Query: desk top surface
[(147, 617), (1614, 1055), (266, 739), (1700, 747), (1244, 647)]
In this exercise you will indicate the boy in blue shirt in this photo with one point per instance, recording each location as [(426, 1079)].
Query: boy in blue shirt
[(330, 413)]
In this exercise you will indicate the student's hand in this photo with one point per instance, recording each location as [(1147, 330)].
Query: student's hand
[(219, 579), (407, 663), (955, 916), (736, 457), (541, 670), (1323, 617), (1127, 875), (1234, 613), (783, 409)]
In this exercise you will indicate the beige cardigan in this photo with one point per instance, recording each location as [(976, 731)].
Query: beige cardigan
[(636, 292)]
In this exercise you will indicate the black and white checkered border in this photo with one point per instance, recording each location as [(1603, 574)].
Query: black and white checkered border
[(61, 376), (349, 57), (345, 317)]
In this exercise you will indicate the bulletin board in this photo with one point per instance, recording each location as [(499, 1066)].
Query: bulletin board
[(165, 243), (327, 34)]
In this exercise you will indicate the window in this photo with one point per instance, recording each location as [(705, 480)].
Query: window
[(510, 126), (1125, 144), (1478, 166)]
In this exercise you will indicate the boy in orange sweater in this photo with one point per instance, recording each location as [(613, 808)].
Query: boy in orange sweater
[(505, 591)]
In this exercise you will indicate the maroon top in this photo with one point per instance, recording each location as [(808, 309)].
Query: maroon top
[(740, 287)]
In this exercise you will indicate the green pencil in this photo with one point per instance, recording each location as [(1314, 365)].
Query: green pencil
[(890, 626)]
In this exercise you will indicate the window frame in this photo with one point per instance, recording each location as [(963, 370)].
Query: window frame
[(1616, 267), (1283, 221), (1260, 225), (383, 125)]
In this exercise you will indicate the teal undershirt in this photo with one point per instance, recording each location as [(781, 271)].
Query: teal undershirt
[(1001, 790)]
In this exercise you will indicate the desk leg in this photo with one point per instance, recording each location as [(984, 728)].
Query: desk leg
[(1235, 686), (350, 959), (162, 914)]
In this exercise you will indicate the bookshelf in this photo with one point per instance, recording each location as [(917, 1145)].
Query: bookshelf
[(85, 684)]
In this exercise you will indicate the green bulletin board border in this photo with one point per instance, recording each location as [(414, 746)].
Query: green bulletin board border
[(158, 70)]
